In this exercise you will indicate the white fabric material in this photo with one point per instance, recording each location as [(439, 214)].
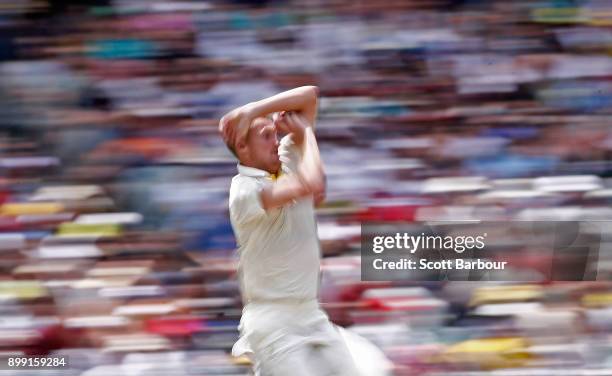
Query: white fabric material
[(282, 326), (279, 250), (293, 338), (369, 359), (296, 338)]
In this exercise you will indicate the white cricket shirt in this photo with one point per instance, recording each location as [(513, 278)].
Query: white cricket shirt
[(279, 276), (279, 249)]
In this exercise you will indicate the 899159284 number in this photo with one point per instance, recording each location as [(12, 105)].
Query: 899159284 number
[(34, 362)]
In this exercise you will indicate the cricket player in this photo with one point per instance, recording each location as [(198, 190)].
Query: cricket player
[(271, 205)]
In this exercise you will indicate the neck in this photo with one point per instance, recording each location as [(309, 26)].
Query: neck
[(259, 167)]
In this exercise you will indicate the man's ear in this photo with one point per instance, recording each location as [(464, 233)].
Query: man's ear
[(241, 148)]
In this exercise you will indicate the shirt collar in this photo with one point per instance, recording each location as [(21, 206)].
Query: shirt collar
[(255, 172), (252, 171)]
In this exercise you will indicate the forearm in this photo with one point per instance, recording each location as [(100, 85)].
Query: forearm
[(303, 100), (311, 167), (283, 191), (308, 180), (298, 99)]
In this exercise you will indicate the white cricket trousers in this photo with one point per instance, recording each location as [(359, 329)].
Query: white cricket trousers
[(296, 338)]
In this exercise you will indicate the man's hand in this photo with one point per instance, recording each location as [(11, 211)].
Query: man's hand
[(278, 118), (234, 125), (291, 122)]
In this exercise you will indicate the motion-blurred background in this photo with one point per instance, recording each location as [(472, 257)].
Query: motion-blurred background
[(115, 243)]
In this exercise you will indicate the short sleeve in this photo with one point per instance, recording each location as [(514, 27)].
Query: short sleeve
[(245, 201)]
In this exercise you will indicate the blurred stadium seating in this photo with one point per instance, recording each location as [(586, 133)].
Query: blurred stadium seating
[(115, 243)]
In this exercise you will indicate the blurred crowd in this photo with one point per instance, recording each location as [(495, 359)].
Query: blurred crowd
[(115, 243)]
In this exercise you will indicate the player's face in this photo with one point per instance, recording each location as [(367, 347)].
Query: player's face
[(263, 145)]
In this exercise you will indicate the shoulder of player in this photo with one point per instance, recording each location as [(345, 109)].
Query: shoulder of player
[(242, 184), (240, 180)]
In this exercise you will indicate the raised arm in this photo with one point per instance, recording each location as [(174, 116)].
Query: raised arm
[(309, 178), (303, 100)]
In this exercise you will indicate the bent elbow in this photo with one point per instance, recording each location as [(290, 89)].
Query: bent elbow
[(319, 188), (317, 185), (313, 92)]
